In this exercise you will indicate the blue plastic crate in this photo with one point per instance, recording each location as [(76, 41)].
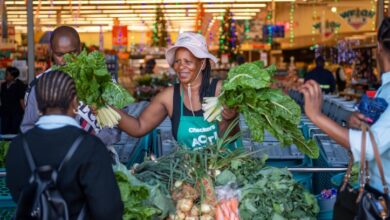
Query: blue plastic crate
[(305, 179)]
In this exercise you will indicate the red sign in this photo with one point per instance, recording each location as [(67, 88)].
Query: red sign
[(119, 36)]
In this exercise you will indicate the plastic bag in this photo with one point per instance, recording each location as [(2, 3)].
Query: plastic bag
[(228, 200)]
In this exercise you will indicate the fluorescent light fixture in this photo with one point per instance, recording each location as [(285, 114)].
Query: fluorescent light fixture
[(118, 11), (235, 17), (108, 2), (132, 15), (235, 5), (108, 7), (95, 15)]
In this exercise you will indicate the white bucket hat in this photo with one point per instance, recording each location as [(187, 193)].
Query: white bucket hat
[(194, 43)]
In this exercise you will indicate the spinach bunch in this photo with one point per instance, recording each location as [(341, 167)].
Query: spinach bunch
[(248, 89), (276, 195)]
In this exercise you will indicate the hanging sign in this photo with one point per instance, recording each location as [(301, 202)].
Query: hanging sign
[(327, 28), (119, 35), (356, 18)]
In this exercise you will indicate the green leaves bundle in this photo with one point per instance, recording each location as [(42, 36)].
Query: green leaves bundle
[(95, 87), (248, 89), (276, 195), (133, 198)]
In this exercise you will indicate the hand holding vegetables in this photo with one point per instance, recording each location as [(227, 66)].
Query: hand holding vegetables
[(95, 87), (248, 89)]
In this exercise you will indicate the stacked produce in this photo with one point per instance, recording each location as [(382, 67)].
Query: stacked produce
[(95, 87), (217, 183), (248, 89)]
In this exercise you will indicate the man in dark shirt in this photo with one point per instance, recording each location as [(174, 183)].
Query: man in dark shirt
[(64, 40), (322, 76), (12, 105)]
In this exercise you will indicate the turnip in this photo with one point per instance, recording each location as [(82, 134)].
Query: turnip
[(205, 208), (185, 205), (206, 217), (194, 211)]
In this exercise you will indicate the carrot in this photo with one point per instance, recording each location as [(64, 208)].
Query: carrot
[(234, 204), (225, 209), (218, 213)]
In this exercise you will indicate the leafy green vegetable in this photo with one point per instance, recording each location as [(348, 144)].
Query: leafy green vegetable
[(276, 195), (133, 198), (93, 81), (248, 88), (4, 145)]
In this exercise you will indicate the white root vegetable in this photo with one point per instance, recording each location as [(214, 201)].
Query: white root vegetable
[(107, 117), (206, 217), (180, 215), (185, 205), (178, 184), (191, 218), (205, 208), (194, 211)]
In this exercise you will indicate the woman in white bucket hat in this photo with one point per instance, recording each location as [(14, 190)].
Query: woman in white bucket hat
[(190, 58)]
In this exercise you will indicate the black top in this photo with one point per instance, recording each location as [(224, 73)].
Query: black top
[(10, 97), (323, 77), (175, 120), (86, 178)]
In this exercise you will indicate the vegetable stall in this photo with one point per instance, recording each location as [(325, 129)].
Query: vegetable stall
[(219, 183)]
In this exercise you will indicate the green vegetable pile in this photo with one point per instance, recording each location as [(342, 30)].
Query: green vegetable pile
[(277, 196), (134, 198), (4, 145), (266, 193), (248, 89), (95, 87)]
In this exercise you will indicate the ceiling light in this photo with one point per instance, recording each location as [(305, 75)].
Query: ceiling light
[(333, 9), (235, 5)]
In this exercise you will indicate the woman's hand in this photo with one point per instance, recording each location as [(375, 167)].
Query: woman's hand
[(228, 114), (313, 99), (356, 119)]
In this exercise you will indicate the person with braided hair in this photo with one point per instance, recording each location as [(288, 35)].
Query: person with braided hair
[(190, 58), (63, 40), (351, 138), (87, 178)]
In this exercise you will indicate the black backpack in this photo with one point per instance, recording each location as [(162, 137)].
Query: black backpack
[(41, 199)]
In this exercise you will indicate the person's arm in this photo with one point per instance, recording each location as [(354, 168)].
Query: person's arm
[(31, 113), (228, 116), (150, 118), (313, 105), (99, 185)]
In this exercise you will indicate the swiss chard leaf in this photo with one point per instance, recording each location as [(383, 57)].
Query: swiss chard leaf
[(93, 81), (116, 95), (248, 88)]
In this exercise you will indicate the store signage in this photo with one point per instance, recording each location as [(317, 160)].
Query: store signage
[(356, 18), (327, 28), (119, 35)]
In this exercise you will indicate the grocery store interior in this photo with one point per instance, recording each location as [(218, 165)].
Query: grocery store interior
[(134, 35)]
